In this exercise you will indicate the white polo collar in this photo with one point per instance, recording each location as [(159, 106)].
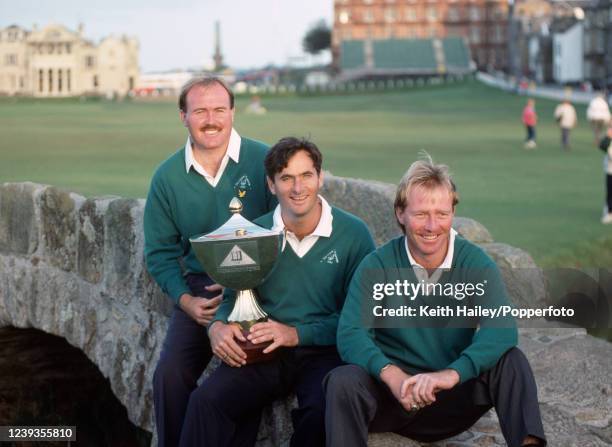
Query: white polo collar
[(303, 246), (233, 152), (448, 260), (324, 227)]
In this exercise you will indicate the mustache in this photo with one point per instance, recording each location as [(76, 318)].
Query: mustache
[(209, 127)]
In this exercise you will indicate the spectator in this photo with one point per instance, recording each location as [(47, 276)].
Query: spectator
[(530, 119), (598, 114), (565, 114)]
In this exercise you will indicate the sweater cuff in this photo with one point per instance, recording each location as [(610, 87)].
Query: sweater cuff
[(464, 367), (305, 335), (376, 364), (177, 287)]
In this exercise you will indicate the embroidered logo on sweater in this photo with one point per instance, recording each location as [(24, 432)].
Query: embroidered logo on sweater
[(242, 186), (331, 257)]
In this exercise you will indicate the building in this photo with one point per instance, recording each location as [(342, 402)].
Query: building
[(598, 44), (567, 49), (482, 22), (57, 62)]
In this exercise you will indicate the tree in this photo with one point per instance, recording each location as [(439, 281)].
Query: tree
[(317, 38)]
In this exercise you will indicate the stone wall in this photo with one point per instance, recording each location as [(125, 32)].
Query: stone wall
[(73, 267)]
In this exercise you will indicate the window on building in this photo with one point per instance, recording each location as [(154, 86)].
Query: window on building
[(411, 14), (50, 80), (59, 80), (131, 82), (475, 34), (432, 32), (344, 17), (40, 80), (432, 13), (475, 13), (390, 15), (68, 79), (453, 14), (90, 61), (21, 82), (95, 81), (68, 48), (368, 16), (10, 59), (499, 34), (50, 48)]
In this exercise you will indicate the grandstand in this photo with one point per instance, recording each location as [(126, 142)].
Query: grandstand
[(402, 58)]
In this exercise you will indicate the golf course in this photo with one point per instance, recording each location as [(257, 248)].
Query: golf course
[(546, 201)]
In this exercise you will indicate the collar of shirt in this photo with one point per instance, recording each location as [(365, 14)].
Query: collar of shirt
[(301, 247), (421, 272), (233, 152)]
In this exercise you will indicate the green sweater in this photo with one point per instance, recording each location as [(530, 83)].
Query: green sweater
[(183, 204), (308, 292), (424, 348)]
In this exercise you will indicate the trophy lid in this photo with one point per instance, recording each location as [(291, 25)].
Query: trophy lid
[(236, 227)]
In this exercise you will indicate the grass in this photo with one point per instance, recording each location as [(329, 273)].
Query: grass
[(545, 201)]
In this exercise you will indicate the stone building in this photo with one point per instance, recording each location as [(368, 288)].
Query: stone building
[(482, 22), (57, 62)]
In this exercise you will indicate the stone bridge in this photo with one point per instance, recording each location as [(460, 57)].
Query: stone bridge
[(73, 267)]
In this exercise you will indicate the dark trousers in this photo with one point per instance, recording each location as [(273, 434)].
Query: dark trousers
[(531, 135), (565, 133), (609, 192), (225, 410), (184, 356), (358, 403)]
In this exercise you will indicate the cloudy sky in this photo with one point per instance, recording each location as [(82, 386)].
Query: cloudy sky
[(179, 33)]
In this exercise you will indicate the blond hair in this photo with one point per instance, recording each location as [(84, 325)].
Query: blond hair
[(426, 174)]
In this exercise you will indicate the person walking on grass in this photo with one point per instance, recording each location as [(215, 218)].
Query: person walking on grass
[(565, 114), (530, 119)]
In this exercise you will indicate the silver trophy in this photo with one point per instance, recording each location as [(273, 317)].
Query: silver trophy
[(240, 255)]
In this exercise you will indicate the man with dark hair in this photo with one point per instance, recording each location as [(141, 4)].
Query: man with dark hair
[(189, 195), (425, 378), (303, 297)]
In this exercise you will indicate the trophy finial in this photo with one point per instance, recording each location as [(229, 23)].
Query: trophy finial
[(235, 206)]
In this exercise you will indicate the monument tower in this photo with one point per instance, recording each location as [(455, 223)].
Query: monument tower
[(218, 57)]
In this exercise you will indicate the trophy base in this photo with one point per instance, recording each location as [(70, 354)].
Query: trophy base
[(254, 352)]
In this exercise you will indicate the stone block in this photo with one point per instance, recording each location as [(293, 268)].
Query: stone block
[(472, 230), (59, 218), (90, 251), (18, 223), (121, 259), (371, 201), (524, 280), (153, 298)]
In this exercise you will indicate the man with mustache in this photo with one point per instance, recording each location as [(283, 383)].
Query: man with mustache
[(189, 195), (428, 378)]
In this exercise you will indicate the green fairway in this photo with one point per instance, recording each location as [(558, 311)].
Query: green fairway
[(545, 201)]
